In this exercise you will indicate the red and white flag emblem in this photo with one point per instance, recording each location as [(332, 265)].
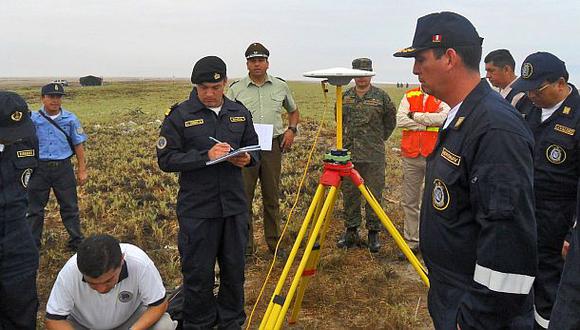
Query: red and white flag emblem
[(436, 38)]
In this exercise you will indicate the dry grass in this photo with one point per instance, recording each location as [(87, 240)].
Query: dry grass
[(128, 196)]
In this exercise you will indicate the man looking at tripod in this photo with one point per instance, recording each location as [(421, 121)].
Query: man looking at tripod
[(478, 231), (368, 121)]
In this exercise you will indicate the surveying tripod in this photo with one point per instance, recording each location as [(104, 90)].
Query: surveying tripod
[(337, 166)]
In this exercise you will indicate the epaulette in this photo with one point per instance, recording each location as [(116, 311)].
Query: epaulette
[(280, 79), (567, 111), (171, 108), (235, 82), (240, 103)]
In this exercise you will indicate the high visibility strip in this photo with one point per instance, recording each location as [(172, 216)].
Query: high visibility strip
[(414, 93), (540, 320), (503, 282), (429, 129)]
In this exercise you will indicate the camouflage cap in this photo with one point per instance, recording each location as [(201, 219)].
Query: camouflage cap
[(362, 63), (209, 69), (256, 49)]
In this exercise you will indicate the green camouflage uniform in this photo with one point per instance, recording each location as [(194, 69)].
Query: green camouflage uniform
[(368, 121)]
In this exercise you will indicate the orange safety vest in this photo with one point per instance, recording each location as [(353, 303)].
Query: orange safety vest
[(415, 143)]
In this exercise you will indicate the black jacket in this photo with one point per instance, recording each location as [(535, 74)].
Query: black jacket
[(206, 191), (478, 231)]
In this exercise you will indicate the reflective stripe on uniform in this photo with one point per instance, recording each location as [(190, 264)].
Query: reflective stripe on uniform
[(540, 320), (503, 282), (428, 129), (414, 93)]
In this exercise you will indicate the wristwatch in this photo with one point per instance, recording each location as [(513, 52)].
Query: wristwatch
[(293, 129)]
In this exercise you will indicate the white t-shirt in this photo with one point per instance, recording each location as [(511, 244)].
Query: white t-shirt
[(139, 284)]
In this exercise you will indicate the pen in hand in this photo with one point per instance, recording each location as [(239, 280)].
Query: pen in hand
[(218, 141)]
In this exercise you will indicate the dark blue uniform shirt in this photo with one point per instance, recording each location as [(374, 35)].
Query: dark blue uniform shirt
[(478, 232), (206, 191)]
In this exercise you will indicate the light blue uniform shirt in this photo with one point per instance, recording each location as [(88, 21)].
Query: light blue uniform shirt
[(52, 144)]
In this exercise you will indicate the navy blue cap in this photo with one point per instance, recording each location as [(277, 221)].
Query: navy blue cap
[(537, 68), (15, 122), (52, 89), (208, 69), (441, 30)]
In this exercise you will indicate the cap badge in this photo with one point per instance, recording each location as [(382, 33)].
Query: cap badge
[(55, 87), (436, 38), (216, 76), (527, 70), (16, 116)]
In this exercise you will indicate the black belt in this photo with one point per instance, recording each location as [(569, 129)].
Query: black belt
[(54, 163)]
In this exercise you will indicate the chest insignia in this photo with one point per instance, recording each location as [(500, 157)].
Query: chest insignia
[(25, 177), (372, 102), (566, 110), (440, 195), (459, 122), (125, 296), (25, 153), (194, 122), (161, 142), (564, 129), (237, 119), (555, 154), (451, 157)]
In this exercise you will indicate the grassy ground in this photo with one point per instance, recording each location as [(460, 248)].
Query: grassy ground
[(128, 196)]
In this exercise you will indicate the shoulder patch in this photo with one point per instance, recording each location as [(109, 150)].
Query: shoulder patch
[(451, 157), (171, 108)]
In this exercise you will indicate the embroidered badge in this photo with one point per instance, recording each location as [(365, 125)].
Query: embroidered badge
[(564, 129), (161, 142), (555, 154), (527, 70), (80, 130), (237, 119), (125, 296), (440, 195), (436, 38), (25, 153), (16, 116), (25, 177), (194, 122), (451, 157), (216, 76)]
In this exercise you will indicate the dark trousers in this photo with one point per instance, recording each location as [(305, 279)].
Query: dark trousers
[(565, 314), (554, 220), (18, 267), (201, 242), (268, 171), (374, 176), (444, 300), (60, 176)]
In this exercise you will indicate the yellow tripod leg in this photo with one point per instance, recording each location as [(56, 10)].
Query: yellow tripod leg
[(394, 233), (311, 265), (273, 307), (315, 231)]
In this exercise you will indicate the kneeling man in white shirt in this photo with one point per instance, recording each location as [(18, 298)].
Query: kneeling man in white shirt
[(108, 285)]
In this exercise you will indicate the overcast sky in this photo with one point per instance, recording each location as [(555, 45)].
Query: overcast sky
[(164, 38)]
